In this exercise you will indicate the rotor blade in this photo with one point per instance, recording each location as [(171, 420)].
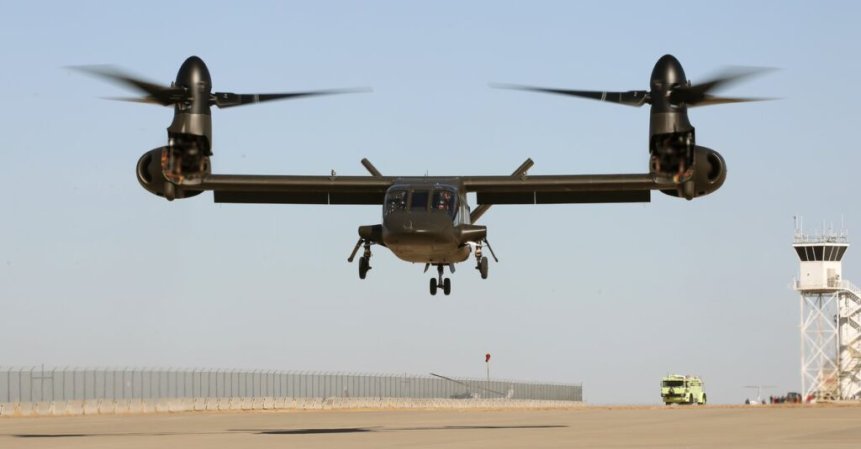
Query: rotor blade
[(146, 100), (163, 95), (229, 99), (697, 93), (630, 98), (709, 100)]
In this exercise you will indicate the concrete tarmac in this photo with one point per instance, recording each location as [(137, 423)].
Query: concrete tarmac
[(784, 427)]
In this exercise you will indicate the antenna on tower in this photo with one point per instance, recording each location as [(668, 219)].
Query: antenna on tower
[(843, 232)]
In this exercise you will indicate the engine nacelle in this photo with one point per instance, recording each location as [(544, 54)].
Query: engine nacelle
[(709, 174), (151, 177)]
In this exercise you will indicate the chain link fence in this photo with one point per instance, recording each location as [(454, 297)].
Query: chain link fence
[(40, 384)]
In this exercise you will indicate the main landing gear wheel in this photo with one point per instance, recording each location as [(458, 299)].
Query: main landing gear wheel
[(446, 286), (365, 260), (481, 262), (364, 266), (433, 286)]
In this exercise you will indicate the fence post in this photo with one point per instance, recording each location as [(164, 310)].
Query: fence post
[(175, 382), (63, 384), (30, 398)]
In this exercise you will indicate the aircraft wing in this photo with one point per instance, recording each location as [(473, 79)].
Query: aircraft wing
[(539, 189), (278, 189), (557, 189)]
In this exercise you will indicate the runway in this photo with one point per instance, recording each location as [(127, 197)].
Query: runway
[(588, 427)]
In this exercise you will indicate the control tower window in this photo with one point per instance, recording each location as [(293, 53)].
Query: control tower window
[(820, 253), (817, 253), (840, 253), (802, 255)]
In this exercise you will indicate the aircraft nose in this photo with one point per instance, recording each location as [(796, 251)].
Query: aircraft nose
[(418, 224), (668, 71)]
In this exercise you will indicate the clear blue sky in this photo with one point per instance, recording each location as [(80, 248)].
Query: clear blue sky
[(96, 271)]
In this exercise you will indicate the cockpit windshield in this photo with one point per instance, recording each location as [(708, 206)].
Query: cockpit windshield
[(437, 200), (396, 200), (444, 200), (419, 200)]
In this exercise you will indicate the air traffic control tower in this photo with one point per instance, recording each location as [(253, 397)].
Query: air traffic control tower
[(830, 318)]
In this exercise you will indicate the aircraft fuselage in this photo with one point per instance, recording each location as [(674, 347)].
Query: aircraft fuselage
[(423, 222)]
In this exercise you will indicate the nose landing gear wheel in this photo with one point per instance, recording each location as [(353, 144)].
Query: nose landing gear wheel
[(483, 267), (440, 282)]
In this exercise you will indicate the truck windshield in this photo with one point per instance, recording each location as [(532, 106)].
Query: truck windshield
[(674, 383)]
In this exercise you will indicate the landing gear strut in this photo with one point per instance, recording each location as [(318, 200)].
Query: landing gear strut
[(365, 260), (440, 282)]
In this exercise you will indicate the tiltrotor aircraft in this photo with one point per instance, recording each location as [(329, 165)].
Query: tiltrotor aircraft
[(427, 219)]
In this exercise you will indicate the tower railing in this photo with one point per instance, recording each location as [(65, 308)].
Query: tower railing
[(836, 284)]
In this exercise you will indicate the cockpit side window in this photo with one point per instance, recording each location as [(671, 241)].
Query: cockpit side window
[(396, 200), (419, 200), (444, 200)]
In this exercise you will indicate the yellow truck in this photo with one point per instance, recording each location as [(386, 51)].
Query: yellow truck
[(678, 389)]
